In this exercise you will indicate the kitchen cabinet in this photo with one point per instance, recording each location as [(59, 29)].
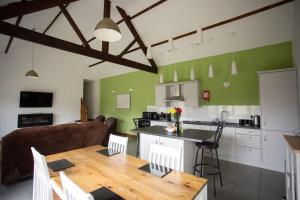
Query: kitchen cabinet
[(187, 149), (278, 100), (195, 126), (274, 149), (227, 147), (160, 95), (191, 93)]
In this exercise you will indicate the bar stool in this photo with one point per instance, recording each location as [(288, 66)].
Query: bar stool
[(136, 124), (211, 146)]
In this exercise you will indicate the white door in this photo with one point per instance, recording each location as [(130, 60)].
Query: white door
[(145, 143), (227, 143), (278, 99), (160, 95), (274, 148)]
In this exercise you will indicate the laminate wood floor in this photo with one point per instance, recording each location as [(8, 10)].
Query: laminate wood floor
[(241, 182)]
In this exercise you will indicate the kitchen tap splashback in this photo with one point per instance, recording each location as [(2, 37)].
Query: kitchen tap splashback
[(211, 113)]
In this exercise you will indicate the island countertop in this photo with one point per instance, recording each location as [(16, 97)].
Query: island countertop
[(193, 135)]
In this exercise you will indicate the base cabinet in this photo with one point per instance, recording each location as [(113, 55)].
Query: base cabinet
[(274, 149)]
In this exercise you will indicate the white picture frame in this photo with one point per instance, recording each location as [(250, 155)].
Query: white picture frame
[(123, 101)]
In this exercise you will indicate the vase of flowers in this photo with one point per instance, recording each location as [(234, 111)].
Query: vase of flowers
[(176, 113)]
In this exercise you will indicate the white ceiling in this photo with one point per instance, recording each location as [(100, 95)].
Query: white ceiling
[(171, 18)]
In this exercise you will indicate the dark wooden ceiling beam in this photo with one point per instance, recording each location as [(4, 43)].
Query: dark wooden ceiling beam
[(74, 26), (106, 14), (23, 8), (11, 37), (254, 12), (39, 38), (137, 14), (136, 36), (54, 20), (120, 55)]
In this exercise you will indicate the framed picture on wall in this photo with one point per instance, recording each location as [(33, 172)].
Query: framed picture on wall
[(123, 101)]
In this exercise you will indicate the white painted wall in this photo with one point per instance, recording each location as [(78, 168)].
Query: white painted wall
[(296, 44), (60, 72)]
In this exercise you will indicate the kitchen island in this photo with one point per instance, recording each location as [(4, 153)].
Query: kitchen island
[(185, 141)]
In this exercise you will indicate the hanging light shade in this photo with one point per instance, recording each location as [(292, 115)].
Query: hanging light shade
[(149, 52), (107, 30), (175, 78), (210, 71), (233, 68), (199, 36), (170, 44), (192, 75), (31, 73)]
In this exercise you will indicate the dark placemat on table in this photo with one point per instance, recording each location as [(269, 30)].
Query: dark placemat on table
[(59, 165), (156, 170), (108, 152), (104, 193)]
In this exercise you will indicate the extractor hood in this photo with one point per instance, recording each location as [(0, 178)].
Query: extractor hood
[(174, 93)]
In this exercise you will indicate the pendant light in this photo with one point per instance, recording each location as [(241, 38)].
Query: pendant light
[(210, 70), (171, 44), (161, 78), (149, 52), (199, 36), (233, 66), (107, 30), (175, 78), (192, 76), (31, 73)]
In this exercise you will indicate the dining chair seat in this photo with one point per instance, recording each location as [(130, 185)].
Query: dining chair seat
[(207, 145)]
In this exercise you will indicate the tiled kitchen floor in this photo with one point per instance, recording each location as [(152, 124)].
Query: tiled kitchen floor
[(241, 182)]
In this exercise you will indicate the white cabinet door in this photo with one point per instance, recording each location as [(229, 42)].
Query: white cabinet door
[(145, 143), (160, 95), (274, 149), (278, 99), (227, 143), (191, 91)]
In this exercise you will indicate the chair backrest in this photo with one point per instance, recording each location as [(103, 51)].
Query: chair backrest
[(41, 179), (165, 156), (73, 191), (136, 122), (118, 143), (218, 134)]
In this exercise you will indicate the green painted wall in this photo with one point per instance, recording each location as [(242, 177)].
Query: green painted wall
[(242, 91)]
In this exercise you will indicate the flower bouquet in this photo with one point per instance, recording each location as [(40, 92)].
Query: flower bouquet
[(176, 112)]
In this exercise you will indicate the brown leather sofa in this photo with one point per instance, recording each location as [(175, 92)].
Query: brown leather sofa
[(112, 124), (16, 160)]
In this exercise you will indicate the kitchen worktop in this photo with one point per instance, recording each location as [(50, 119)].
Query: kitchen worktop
[(293, 142), (193, 135), (211, 123)]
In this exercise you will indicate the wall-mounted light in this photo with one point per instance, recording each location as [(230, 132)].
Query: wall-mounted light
[(210, 71), (175, 78), (113, 91), (233, 67), (161, 78), (131, 89)]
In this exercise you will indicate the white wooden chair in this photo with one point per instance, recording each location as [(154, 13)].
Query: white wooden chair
[(42, 183), (73, 191), (165, 156), (118, 143)]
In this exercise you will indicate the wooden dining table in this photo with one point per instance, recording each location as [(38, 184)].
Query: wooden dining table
[(120, 174)]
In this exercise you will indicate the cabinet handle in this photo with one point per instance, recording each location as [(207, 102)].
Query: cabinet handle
[(250, 149), (250, 137), (265, 121), (265, 138)]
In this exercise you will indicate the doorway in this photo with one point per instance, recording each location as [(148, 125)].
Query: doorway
[(91, 97)]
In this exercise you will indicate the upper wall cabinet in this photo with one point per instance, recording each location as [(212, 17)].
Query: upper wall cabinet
[(190, 91), (170, 93), (160, 95)]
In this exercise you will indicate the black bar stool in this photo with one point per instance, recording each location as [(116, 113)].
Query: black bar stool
[(136, 124), (211, 146)]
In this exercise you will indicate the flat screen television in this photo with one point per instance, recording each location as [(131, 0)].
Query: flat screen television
[(35, 99)]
